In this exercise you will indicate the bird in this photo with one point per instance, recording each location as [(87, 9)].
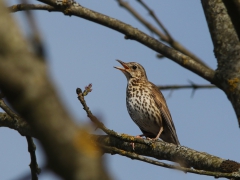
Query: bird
[(146, 105)]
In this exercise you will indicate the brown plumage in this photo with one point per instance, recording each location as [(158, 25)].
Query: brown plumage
[(146, 105)]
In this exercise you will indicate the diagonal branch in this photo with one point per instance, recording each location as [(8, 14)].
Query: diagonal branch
[(159, 23), (134, 34), (166, 37), (17, 124), (100, 125)]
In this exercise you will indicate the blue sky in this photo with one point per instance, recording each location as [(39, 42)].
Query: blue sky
[(80, 52)]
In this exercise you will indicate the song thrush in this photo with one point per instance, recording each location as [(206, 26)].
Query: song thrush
[(146, 105)]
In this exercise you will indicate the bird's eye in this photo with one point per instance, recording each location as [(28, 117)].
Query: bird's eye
[(134, 67)]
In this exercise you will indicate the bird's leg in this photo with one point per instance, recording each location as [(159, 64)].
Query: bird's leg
[(160, 132)]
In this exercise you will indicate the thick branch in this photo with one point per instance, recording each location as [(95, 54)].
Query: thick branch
[(213, 165), (226, 49), (175, 153), (134, 34)]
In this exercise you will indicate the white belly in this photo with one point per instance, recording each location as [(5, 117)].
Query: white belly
[(139, 108)]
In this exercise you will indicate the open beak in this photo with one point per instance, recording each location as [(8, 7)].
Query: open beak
[(125, 67)]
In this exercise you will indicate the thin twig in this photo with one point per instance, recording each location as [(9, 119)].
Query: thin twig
[(166, 38), (192, 86), (19, 125), (35, 170), (151, 12), (8, 110), (152, 28), (35, 35), (25, 7), (31, 146)]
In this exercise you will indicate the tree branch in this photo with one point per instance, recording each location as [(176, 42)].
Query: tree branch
[(191, 86), (207, 164), (100, 125), (25, 7), (159, 23), (159, 150), (12, 120), (32, 95), (31, 146), (134, 34), (35, 38), (109, 145), (226, 49), (35, 170), (166, 37), (17, 124)]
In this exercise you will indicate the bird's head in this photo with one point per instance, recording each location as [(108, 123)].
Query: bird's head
[(132, 70)]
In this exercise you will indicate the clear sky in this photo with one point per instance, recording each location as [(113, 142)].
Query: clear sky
[(81, 52)]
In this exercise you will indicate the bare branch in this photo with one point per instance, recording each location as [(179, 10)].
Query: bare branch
[(31, 147), (151, 12), (113, 150), (17, 124), (159, 150), (25, 7), (226, 50), (100, 125), (192, 86), (212, 165), (167, 37), (135, 34), (8, 110), (167, 151), (35, 35), (32, 95), (35, 170)]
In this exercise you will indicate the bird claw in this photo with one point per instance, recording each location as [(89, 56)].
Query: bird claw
[(152, 140), (133, 145)]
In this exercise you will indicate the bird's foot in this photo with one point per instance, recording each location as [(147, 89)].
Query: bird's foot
[(152, 140), (133, 145)]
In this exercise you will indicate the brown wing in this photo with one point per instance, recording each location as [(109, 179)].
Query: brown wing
[(165, 114)]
